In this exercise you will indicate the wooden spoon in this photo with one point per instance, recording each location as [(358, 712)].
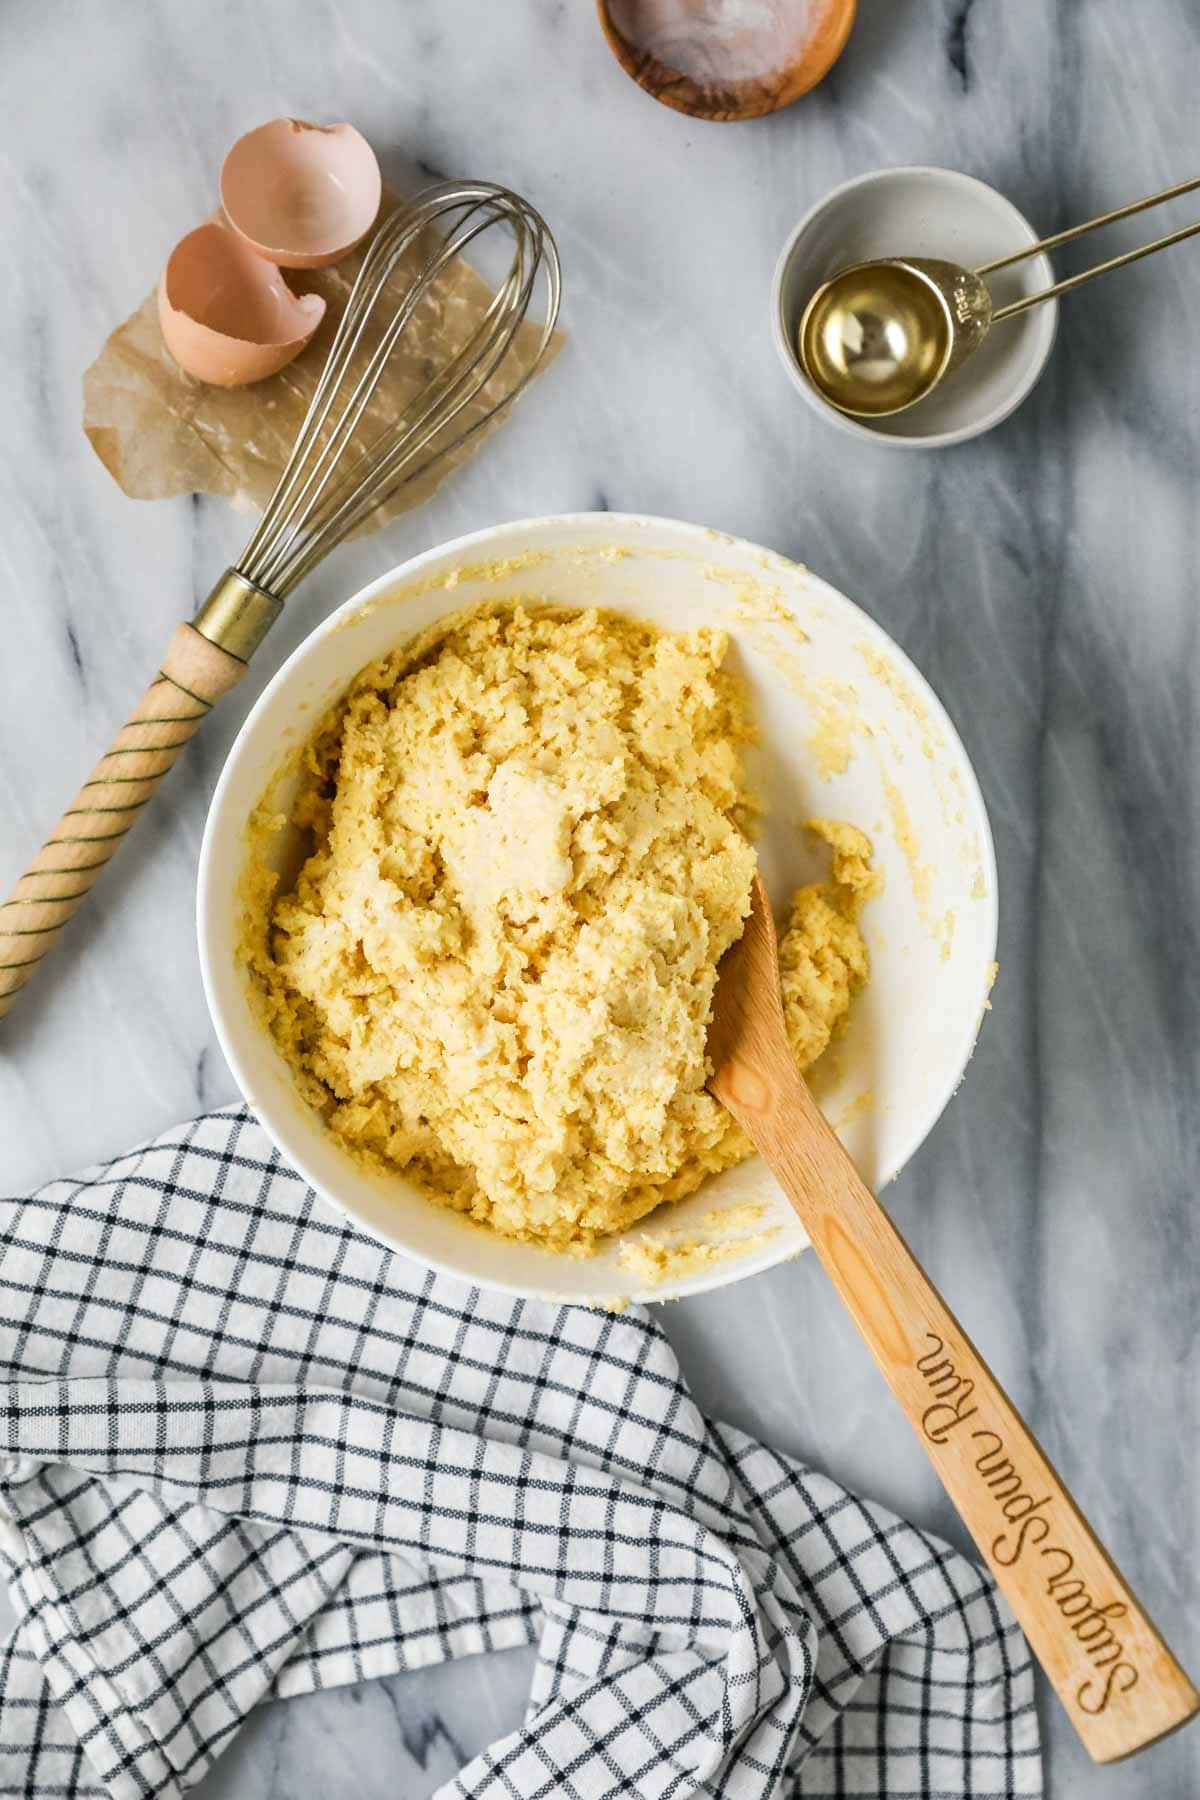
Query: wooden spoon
[(719, 72), (1114, 1674)]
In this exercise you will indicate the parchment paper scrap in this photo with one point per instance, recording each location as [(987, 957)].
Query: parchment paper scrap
[(159, 433)]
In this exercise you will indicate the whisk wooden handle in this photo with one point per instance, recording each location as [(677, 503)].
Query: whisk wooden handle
[(194, 675)]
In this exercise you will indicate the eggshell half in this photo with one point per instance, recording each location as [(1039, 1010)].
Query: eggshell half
[(301, 195), (227, 316)]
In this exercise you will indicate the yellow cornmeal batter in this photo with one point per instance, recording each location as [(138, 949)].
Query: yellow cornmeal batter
[(822, 957), (496, 968)]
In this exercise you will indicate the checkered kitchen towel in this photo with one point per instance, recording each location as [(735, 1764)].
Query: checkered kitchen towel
[(248, 1453)]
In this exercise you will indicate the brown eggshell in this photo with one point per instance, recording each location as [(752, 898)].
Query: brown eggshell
[(227, 316), (301, 195)]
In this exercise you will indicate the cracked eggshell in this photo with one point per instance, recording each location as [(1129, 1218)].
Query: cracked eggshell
[(301, 195), (227, 316)]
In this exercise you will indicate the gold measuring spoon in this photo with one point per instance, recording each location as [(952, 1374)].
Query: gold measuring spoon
[(879, 336)]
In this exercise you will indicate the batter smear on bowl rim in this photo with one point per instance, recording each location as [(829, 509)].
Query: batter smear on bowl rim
[(496, 967)]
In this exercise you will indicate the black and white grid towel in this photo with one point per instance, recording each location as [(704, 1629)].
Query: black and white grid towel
[(248, 1453)]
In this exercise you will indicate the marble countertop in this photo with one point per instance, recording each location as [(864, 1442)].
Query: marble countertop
[(1044, 578)]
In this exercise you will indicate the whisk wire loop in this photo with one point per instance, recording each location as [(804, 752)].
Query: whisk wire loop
[(332, 482)]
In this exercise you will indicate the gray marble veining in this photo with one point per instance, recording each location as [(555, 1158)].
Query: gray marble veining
[(1045, 578)]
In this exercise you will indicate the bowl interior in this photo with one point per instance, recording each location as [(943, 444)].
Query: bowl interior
[(849, 731), (925, 212)]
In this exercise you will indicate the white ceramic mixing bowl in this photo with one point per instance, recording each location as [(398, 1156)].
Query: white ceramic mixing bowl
[(850, 730)]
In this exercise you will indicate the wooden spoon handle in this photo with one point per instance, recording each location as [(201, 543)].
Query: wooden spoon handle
[(194, 675), (1115, 1675)]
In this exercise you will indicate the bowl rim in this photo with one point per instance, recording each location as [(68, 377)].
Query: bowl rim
[(931, 440), (632, 525)]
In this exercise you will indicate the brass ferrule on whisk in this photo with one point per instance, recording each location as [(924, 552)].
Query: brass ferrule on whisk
[(237, 615)]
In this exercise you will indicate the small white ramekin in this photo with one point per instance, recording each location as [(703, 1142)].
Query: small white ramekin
[(922, 211)]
